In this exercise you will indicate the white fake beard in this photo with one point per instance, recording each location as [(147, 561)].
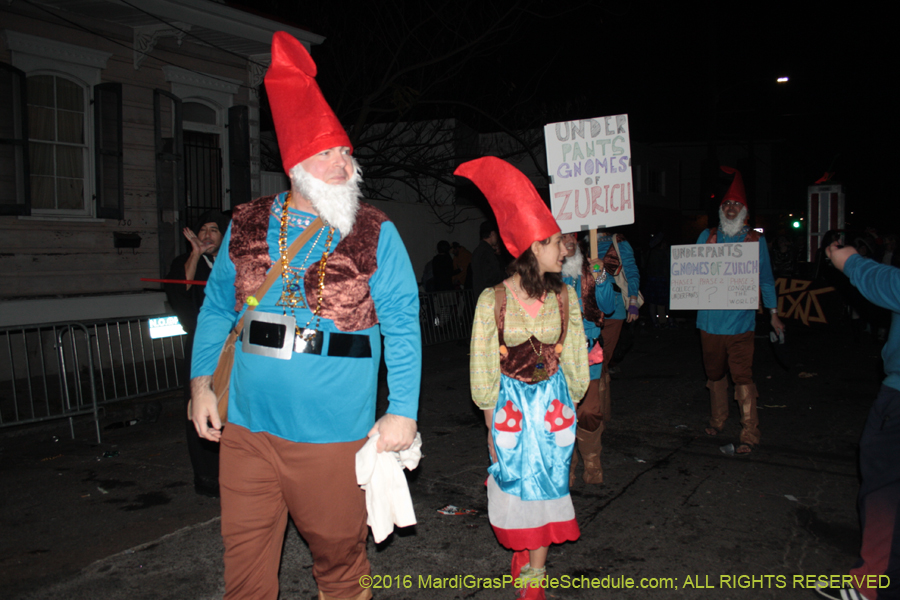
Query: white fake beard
[(572, 265), (337, 204), (732, 227)]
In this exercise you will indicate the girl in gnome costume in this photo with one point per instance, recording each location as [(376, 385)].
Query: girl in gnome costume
[(528, 367)]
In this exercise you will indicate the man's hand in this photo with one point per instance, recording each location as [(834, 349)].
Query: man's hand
[(205, 409), (197, 246), (839, 255), (397, 433), (777, 325), (597, 273)]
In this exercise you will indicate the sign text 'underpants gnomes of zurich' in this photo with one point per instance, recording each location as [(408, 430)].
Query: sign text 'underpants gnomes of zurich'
[(589, 162), (714, 277)]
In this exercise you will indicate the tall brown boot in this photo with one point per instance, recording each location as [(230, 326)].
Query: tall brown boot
[(718, 403), (590, 446), (746, 395)]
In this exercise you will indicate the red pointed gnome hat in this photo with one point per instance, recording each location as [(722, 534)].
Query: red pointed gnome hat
[(522, 216), (304, 122), (736, 191)]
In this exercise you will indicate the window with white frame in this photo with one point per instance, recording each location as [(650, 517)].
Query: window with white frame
[(71, 126), (58, 150)]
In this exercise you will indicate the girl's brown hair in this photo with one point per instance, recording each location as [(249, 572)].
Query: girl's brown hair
[(532, 283)]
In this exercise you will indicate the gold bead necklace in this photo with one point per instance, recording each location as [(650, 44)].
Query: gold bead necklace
[(292, 278)]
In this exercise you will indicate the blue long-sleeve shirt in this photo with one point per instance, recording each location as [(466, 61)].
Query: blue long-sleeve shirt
[(629, 267), (317, 398), (880, 284), (734, 322)]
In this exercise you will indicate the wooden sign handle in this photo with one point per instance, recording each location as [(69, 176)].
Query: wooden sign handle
[(593, 243)]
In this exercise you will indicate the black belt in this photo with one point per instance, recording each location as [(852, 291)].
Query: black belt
[(342, 345), (349, 345)]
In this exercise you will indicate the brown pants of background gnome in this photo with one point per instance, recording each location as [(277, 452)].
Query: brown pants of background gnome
[(612, 329), (262, 477), (723, 354), (589, 410)]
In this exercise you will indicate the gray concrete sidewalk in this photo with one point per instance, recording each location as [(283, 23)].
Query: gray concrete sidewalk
[(674, 513)]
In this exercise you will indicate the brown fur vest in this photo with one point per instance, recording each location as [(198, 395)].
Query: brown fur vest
[(346, 299)]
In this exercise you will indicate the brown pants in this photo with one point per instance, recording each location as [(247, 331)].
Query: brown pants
[(612, 329), (590, 410), (723, 354), (262, 478)]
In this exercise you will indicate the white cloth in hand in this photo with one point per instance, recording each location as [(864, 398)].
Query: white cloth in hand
[(380, 474)]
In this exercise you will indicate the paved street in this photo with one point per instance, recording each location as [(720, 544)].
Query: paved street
[(674, 512)]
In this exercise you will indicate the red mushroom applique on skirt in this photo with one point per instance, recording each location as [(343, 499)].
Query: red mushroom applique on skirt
[(528, 488)]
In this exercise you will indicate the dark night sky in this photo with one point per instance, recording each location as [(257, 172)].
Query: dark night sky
[(665, 63)]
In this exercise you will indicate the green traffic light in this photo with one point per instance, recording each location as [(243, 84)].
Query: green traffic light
[(796, 224)]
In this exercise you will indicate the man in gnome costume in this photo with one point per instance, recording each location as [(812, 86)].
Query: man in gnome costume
[(528, 367), (726, 336), (303, 386), (596, 296)]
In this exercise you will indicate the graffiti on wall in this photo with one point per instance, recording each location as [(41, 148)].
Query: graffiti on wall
[(802, 299)]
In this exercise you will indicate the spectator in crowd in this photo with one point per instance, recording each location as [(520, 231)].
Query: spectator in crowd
[(186, 299), (461, 260), (487, 271), (879, 446)]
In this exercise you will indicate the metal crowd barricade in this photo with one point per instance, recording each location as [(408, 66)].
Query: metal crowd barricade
[(63, 370), (446, 316)]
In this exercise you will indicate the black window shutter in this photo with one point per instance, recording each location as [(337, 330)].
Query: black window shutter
[(108, 154), (170, 198), (239, 153), (15, 183)]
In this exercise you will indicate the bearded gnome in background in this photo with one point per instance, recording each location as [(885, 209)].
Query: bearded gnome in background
[(726, 336), (302, 397)]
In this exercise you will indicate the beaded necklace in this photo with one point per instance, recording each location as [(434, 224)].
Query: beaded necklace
[(292, 277)]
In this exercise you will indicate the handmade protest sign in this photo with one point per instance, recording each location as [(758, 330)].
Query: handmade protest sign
[(714, 277), (589, 162)]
